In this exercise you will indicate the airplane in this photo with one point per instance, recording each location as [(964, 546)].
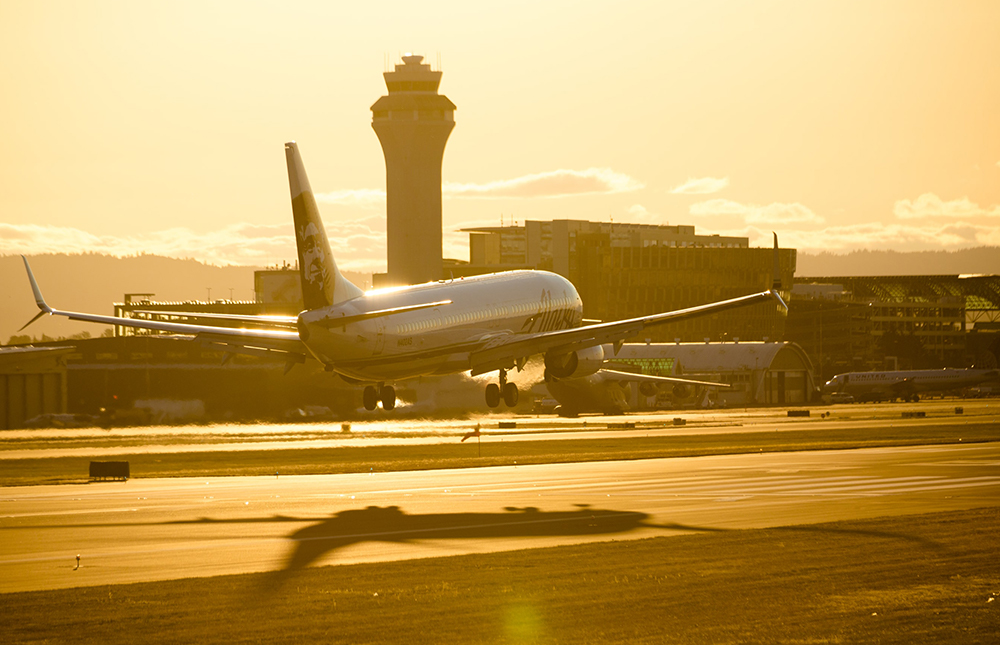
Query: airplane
[(607, 391), (905, 384), (477, 324)]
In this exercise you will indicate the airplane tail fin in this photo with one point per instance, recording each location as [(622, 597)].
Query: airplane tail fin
[(322, 283)]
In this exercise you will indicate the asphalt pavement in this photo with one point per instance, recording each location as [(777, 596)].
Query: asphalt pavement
[(159, 529)]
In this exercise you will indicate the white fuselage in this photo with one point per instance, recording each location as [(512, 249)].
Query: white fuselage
[(892, 383), (483, 310)]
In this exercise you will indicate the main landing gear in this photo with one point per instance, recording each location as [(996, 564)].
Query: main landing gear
[(508, 390), (381, 392)]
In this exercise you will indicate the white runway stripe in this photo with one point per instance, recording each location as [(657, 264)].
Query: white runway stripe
[(713, 486)]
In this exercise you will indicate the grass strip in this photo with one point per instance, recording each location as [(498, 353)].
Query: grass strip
[(347, 459), (910, 579)]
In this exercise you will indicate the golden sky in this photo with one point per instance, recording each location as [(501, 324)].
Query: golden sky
[(157, 127)]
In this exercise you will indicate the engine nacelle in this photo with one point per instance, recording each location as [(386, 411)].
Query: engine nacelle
[(681, 390), (648, 389), (575, 364)]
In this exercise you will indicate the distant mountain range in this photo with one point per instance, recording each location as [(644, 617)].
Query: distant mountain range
[(92, 282), (983, 259)]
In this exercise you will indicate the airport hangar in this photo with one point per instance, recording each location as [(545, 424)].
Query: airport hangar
[(757, 373), (33, 381)]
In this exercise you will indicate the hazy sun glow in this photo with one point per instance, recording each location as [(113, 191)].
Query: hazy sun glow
[(158, 127)]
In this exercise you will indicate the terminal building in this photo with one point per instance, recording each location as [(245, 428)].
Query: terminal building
[(865, 323)]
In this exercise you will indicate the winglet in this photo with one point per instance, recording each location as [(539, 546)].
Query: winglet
[(39, 300), (776, 282)]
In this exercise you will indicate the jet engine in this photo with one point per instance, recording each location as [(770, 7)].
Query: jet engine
[(648, 389), (583, 362)]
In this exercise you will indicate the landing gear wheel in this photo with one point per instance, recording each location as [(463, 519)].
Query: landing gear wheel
[(510, 394), (370, 398), (493, 395), (915, 398), (388, 397)]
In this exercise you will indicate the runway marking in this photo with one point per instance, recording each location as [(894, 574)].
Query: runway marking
[(703, 482), (965, 463), (782, 485), (825, 486)]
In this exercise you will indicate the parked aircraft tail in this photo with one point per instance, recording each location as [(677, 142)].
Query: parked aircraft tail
[(322, 283)]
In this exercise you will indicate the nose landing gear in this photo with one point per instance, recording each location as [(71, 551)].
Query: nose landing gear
[(381, 392), (506, 389)]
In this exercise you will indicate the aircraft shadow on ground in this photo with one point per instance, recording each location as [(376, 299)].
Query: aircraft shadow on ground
[(391, 524), (394, 525)]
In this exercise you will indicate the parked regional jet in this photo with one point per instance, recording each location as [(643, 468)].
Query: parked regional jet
[(905, 384), (482, 323)]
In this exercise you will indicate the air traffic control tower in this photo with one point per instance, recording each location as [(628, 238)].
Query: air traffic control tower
[(413, 123)]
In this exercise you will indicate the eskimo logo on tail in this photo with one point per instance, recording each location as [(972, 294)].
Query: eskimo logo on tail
[(322, 283)]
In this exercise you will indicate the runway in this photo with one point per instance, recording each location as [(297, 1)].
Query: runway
[(158, 529), (113, 443)]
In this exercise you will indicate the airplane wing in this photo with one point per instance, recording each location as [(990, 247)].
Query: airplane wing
[(505, 352), (265, 320), (283, 342), (292, 321)]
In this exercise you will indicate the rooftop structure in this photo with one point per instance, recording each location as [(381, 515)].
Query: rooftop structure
[(551, 245)]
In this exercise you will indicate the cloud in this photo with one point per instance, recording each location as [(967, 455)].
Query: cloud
[(703, 186), (876, 236), (640, 214), (363, 197), (930, 206), (776, 213), (555, 183), (357, 244)]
